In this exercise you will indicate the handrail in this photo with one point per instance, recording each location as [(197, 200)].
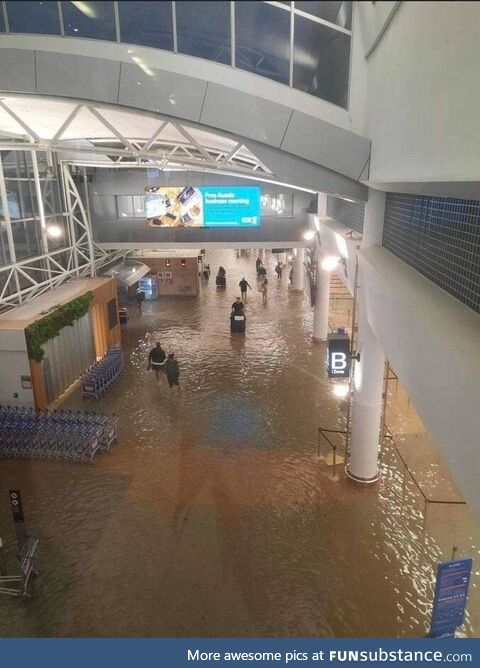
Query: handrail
[(323, 432)]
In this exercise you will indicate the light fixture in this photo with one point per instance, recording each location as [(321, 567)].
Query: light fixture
[(329, 263), (86, 8), (309, 235), (54, 231), (341, 390)]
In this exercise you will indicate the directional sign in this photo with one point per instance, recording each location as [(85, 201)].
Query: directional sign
[(16, 503), (338, 355), (451, 593)]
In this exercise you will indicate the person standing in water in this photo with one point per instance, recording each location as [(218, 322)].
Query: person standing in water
[(244, 284), (156, 359), (264, 289), (172, 370)]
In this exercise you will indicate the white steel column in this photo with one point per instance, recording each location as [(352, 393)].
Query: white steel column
[(322, 302), (41, 211), (298, 270), (8, 227), (369, 370), (367, 401)]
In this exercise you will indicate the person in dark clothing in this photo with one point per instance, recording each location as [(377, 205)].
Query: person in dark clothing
[(244, 284), (258, 262), (237, 317), (139, 298), (278, 270), (172, 370), (261, 270), (238, 307), (156, 359)]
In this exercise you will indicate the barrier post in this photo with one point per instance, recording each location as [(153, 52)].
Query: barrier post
[(18, 518)]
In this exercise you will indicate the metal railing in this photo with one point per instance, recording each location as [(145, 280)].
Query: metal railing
[(324, 433)]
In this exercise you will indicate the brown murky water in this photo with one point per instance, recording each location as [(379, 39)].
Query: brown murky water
[(214, 516)]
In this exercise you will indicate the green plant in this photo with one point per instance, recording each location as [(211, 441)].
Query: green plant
[(48, 327)]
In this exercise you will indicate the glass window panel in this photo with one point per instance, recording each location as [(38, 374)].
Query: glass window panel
[(203, 30), (262, 35), (148, 23), (339, 13), (321, 61), (19, 196), (125, 206), (35, 17), (95, 20), (277, 204), (139, 206), (27, 238)]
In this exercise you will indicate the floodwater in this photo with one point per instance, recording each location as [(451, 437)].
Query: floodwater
[(215, 514)]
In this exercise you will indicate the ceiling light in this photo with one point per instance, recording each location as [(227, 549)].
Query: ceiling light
[(329, 263), (309, 235), (54, 231), (341, 390), (87, 9)]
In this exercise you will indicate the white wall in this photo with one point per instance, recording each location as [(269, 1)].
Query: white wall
[(14, 364), (424, 93), (432, 342)]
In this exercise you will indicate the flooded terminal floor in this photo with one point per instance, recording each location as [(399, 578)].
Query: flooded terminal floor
[(215, 515)]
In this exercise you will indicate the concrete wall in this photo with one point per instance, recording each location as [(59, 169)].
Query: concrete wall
[(188, 88), (14, 363), (423, 94), (184, 280), (431, 341), (108, 229)]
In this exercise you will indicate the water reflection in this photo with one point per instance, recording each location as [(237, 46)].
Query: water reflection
[(214, 515)]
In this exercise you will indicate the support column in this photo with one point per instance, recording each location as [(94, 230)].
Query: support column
[(322, 303), (321, 204), (367, 401), (298, 270), (369, 371)]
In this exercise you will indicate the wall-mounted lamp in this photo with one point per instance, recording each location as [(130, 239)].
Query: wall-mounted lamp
[(54, 231), (183, 262), (309, 235), (329, 262), (167, 262)]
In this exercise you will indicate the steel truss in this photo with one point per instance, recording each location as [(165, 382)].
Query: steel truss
[(173, 145), (22, 280)]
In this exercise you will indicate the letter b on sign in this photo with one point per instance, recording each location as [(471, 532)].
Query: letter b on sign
[(338, 355), (339, 362)]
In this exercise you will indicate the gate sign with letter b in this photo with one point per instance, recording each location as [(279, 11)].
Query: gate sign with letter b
[(338, 355), (16, 503)]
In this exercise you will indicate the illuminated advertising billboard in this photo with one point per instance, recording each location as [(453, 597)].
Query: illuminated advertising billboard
[(205, 206)]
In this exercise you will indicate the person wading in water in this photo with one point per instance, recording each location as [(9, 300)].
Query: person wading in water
[(172, 370), (156, 359)]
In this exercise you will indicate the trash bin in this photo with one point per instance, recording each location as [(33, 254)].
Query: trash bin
[(237, 324)]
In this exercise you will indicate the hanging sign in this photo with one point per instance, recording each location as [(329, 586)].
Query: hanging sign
[(451, 593), (338, 355)]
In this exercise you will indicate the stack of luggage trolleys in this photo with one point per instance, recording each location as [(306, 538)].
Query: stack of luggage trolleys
[(101, 375), (74, 436)]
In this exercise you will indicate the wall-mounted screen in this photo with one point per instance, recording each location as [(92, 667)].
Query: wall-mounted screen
[(215, 206)]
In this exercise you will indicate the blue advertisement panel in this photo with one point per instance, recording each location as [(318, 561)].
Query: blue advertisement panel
[(212, 206), (451, 593)]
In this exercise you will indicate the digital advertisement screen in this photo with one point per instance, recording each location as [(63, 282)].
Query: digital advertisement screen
[(205, 206)]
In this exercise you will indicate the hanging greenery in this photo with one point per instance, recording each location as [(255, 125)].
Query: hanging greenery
[(41, 331)]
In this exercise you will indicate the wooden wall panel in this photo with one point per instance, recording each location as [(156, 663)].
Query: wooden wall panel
[(38, 385), (104, 336)]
